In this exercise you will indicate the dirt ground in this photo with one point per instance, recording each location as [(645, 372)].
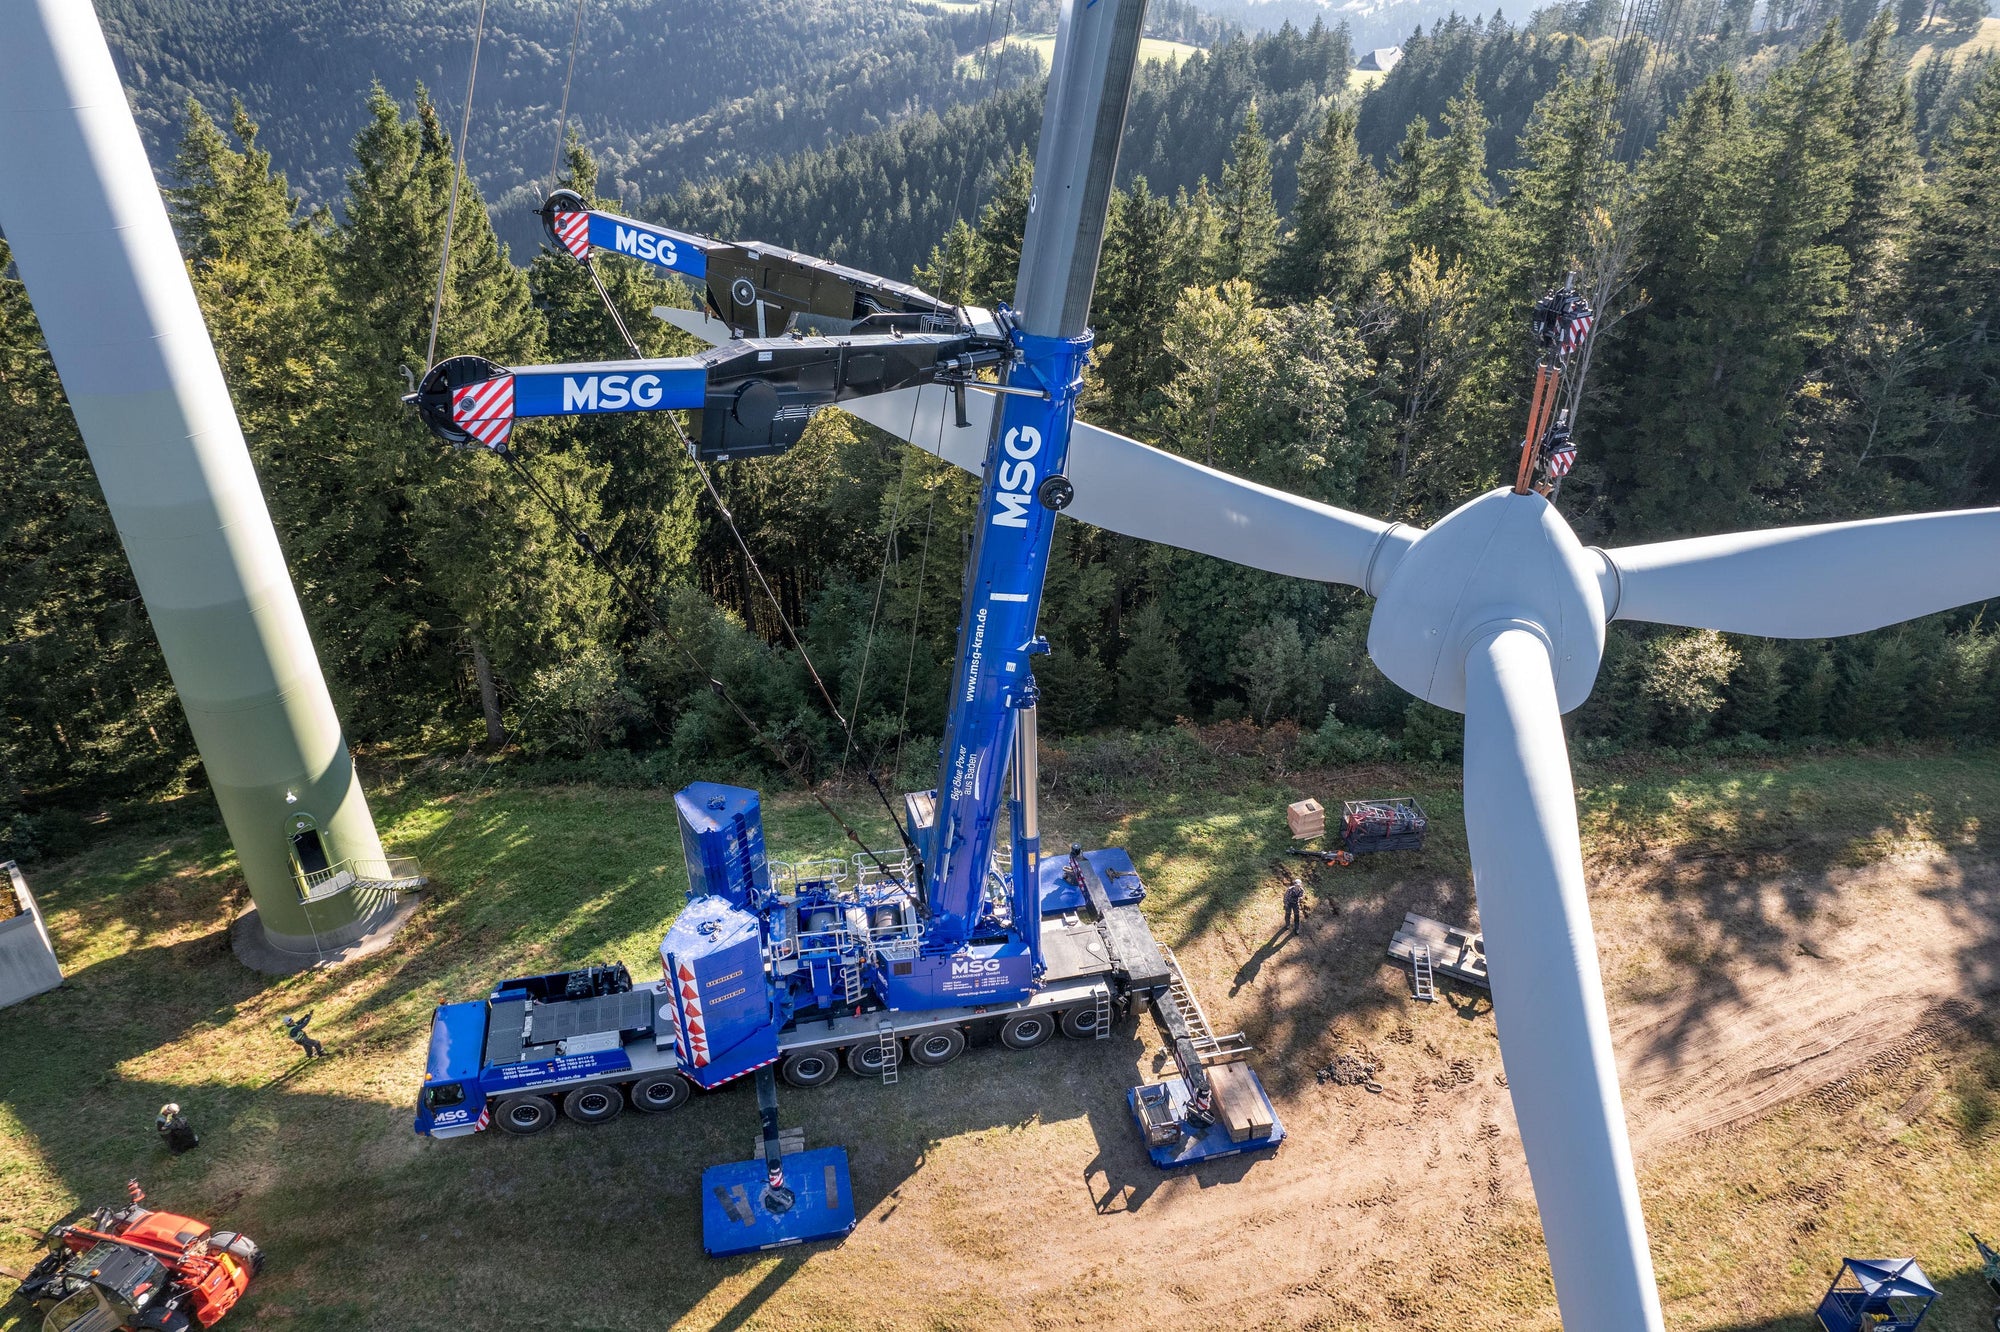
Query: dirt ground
[(1806, 1045), (1411, 1206)]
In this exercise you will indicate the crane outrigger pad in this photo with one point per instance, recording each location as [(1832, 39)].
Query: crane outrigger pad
[(734, 1219)]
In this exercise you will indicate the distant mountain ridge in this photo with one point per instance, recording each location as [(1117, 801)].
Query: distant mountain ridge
[(1371, 23), (663, 89)]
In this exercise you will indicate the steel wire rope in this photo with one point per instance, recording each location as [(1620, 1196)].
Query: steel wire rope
[(882, 578), (575, 531), (917, 615), (457, 178), (562, 120), (729, 519), (986, 60)]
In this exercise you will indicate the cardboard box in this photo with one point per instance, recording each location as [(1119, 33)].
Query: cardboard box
[(1307, 819)]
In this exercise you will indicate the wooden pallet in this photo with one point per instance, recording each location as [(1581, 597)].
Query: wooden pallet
[(1455, 951)]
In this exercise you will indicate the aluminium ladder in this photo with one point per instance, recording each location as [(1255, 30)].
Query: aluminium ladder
[(1422, 977)]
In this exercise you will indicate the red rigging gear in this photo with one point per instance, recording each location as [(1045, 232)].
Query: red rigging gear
[(1561, 324), (138, 1268)]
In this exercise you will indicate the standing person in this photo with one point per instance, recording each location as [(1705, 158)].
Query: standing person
[(296, 1029), (1295, 905)]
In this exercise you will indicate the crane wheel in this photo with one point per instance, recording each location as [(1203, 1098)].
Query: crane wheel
[(865, 1060), (593, 1103), (810, 1068), (1025, 1031), (937, 1047), (523, 1115), (659, 1093), (1080, 1023)]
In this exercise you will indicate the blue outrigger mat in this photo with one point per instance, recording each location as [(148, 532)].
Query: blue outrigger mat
[(734, 1221), (1210, 1146)]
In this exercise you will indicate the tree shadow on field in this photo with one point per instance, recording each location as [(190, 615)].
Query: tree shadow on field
[(1757, 883)]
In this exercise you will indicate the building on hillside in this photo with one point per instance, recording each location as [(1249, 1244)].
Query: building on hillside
[(1382, 58)]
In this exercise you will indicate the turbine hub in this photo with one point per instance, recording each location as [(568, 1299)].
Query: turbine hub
[(1501, 561)]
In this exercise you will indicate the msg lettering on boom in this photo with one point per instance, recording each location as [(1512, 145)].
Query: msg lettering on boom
[(610, 393), (643, 244), (1017, 476)]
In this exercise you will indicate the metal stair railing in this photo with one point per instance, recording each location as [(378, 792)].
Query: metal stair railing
[(389, 874)]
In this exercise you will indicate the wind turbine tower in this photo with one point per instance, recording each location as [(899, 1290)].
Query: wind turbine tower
[(90, 235)]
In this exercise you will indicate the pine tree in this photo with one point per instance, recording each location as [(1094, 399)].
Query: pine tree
[(1568, 172), (1137, 284), (1757, 689), (1335, 235), (1152, 685), (447, 553), (1249, 218), (1002, 224), (1738, 228), (1954, 280), (954, 265), (1450, 209)]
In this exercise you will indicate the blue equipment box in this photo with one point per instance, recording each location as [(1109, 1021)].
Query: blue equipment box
[(733, 1220), (1210, 1146)]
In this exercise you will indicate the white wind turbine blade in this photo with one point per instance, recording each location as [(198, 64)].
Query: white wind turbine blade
[(1811, 582), (1548, 996), (1132, 488)]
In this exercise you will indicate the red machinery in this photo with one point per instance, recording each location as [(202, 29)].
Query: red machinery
[(135, 1268)]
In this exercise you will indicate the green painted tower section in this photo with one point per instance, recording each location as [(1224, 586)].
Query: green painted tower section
[(92, 242)]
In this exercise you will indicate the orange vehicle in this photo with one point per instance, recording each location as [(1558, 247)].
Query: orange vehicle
[(135, 1268)]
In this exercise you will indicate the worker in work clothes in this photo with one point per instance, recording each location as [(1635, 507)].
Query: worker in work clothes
[(296, 1029), (174, 1129), (1295, 905)]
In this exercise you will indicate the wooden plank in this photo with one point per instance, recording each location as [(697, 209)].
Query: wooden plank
[(1238, 1103)]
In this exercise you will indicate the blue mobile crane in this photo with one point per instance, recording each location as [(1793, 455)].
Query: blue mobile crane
[(792, 969)]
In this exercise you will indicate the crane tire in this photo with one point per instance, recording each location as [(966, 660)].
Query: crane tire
[(932, 1048), (1080, 1023), (659, 1093), (810, 1068), (522, 1115), (1025, 1031), (865, 1059), (593, 1103)]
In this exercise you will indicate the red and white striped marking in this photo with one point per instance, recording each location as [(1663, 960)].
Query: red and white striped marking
[(485, 410), (1560, 461), (573, 229), (485, 1118)]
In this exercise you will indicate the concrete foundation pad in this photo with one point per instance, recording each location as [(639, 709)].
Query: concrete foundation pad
[(255, 950)]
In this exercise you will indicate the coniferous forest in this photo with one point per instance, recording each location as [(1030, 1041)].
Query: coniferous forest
[(1792, 238)]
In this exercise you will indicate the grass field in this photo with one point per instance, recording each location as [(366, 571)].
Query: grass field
[(1044, 45), (1008, 1191)]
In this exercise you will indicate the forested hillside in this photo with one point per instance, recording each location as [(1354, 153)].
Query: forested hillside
[(1796, 293), (663, 89), (883, 200)]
